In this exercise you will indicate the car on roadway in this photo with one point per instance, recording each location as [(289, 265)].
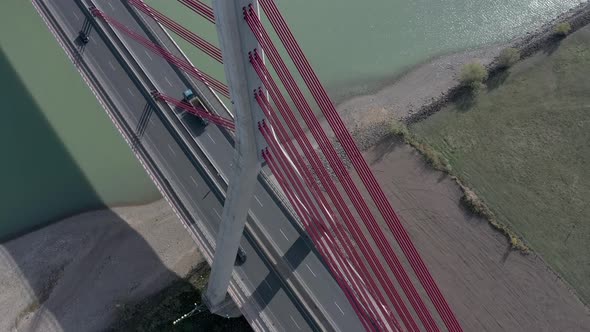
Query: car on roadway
[(83, 37), (192, 99), (240, 257)]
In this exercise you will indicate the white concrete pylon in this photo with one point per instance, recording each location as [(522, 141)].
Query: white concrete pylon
[(236, 40)]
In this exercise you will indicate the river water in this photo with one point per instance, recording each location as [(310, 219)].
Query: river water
[(61, 155), (355, 46)]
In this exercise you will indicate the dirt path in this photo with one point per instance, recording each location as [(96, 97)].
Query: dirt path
[(489, 287), (77, 274)]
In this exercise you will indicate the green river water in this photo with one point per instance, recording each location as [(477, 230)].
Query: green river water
[(61, 155)]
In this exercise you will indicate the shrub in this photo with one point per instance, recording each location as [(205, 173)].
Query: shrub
[(473, 75), (563, 29), (508, 57), (399, 129)]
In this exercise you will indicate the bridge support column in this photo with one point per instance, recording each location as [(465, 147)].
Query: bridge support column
[(236, 40)]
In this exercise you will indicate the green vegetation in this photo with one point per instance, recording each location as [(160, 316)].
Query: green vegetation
[(473, 75), (563, 29), (159, 311), (508, 57), (432, 157), (470, 200), (524, 148)]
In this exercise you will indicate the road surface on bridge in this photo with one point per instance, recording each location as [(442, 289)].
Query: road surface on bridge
[(194, 191)]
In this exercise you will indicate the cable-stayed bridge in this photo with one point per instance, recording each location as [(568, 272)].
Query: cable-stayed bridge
[(320, 249)]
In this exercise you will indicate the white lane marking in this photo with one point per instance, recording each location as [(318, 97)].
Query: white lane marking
[(309, 268), (211, 138), (339, 308), (194, 181), (112, 66), (110, 5), (167, 80), (148, 55), (131, 92), (294, 322), (285, 236), (76, 16), (171, 150), (256, 198), (217, 213), (267, 284), (93, 41)]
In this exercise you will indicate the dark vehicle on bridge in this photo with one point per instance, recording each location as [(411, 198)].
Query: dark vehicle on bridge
[(83, 37), (240, 257), (191, 98)]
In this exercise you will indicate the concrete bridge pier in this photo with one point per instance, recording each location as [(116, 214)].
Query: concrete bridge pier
[(236, 40)]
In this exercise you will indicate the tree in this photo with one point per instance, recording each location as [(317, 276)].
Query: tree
[(563, 29), (473, 75), (508, 57)]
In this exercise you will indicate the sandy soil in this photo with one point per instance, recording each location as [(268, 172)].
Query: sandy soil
[(413, 89), (75, 275), (489, 287)]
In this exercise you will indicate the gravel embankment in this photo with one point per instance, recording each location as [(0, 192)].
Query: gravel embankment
[(77, 274)]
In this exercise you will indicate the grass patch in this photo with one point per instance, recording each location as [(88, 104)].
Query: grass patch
[(524, 148), (432, 157), (470, 199), (157, 312)]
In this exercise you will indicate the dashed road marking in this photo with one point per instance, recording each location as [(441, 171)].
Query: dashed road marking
[(148, 55), (194, 181), (211, 138), (171, 150), (339, 308), (76, 16), (131, 92), (256, 198), (112, 66), (111, 5), (217, 213), (309, 268), (294, 322), (285, 236), (167, 80)]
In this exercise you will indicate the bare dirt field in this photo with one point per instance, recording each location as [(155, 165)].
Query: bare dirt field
[(490, 287), (81, 273)]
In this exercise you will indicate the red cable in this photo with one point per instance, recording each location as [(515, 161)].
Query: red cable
[(340, 205), (299, 209), (313, 231), (360, 166), (205, 78), (413, 255), (343, 176), (181, 31), (328, 185), (275, 123), (200, 8), (219, 120)]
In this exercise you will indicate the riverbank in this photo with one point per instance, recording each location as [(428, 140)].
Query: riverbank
[(428, 87), (522, 148), (489, 286), (79, 274)]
